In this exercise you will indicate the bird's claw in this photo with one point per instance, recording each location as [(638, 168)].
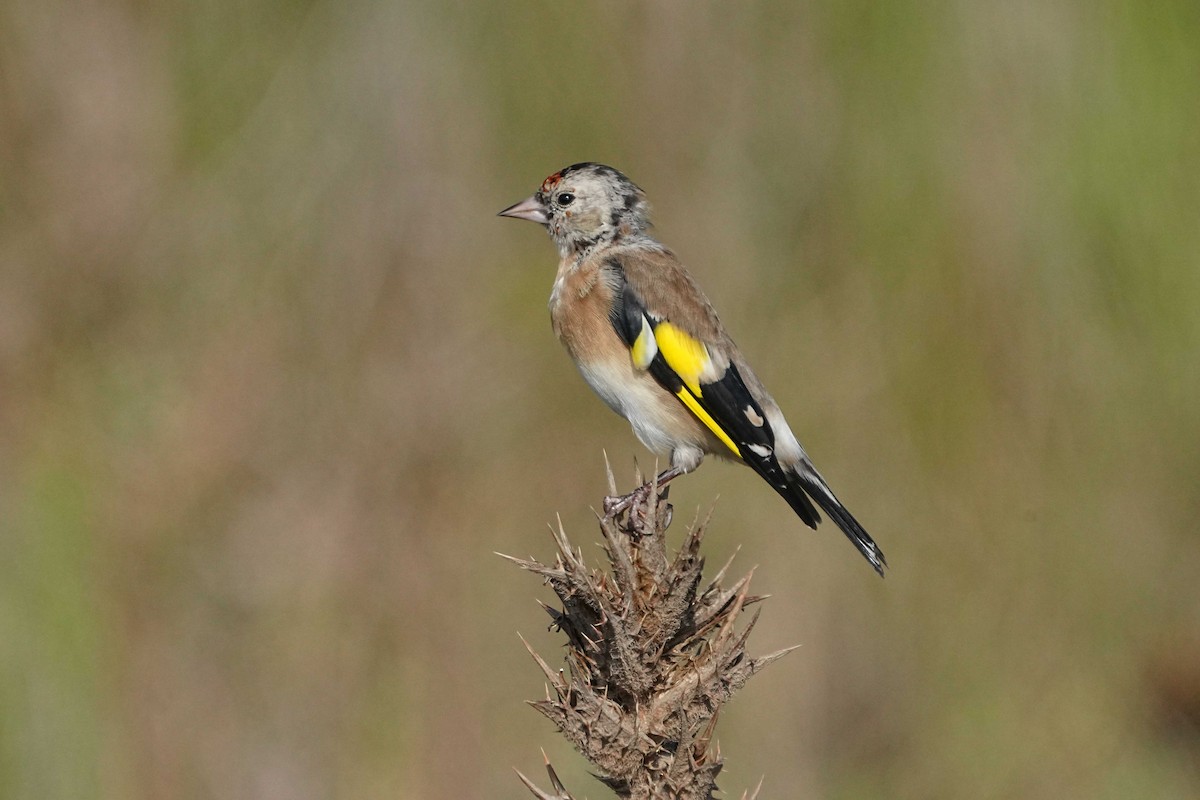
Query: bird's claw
[(615, 505), (636, 501)]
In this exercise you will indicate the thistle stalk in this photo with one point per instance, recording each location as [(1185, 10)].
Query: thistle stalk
[(651, 656)]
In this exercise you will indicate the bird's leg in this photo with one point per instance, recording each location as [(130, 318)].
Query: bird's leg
[(615, 505)]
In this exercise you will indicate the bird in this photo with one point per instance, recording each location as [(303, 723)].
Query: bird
[(648, 341)]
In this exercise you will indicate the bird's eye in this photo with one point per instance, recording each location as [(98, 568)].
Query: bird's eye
[(565, 198)]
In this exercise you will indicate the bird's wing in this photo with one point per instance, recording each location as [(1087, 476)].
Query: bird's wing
[(673, 332)]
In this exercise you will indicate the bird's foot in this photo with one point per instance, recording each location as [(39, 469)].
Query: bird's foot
[(615, 505), (639, 496)]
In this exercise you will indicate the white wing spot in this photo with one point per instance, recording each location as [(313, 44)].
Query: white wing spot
[(760, 450), (753, 416), (645, 347)]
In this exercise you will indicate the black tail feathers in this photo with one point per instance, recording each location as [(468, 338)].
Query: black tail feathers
[(804, 485), (799, 501)]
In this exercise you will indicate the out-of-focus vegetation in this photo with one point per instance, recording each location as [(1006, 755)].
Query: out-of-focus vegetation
[(275, 383)]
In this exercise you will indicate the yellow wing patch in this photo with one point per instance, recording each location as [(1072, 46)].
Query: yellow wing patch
[(706, 418), (687, 357)]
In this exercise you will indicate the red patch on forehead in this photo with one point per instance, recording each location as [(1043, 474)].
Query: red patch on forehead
[(551, 181)]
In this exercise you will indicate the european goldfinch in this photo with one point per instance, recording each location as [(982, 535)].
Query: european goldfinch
[(649, 343)]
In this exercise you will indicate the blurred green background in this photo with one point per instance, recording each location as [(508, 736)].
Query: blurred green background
[(275, 383)]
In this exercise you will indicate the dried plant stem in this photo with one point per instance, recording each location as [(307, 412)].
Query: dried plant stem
[(651, 657)]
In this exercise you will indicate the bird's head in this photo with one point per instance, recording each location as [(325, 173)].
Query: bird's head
[(584, 206)]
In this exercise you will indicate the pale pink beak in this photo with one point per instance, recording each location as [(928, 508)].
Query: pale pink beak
[(529, 209)]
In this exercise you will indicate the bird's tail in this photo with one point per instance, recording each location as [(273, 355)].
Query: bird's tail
[(804, 483)]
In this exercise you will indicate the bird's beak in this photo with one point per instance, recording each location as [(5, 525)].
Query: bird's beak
[(529, 209)]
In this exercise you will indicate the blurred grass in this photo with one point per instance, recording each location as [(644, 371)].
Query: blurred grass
[(274, 383)]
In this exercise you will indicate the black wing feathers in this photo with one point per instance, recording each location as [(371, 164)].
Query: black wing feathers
[(731, 405), (627, 309), (626, 316), (727, 400)]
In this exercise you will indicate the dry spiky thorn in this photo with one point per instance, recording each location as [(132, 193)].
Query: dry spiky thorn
[(651, 659)]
